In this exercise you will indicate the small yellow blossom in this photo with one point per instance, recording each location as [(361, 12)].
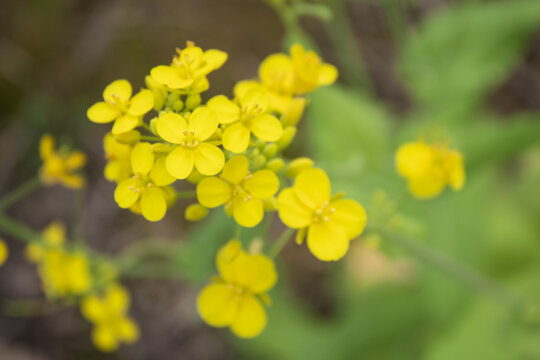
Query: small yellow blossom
[(59, 167), (240, 191), (120, 107), (429, 168), (194, 146), (330, 222), (118, 166), (63, 272), (147, 187), (4, 252), (236, 298), (189, 68), (245, 116), (108, 313)]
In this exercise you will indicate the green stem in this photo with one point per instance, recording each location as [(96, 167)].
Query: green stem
[(150, 138), (461, 272), (147, 127), (238, 232), (186, 194), (13, 196), (18, 231), (280, 242)]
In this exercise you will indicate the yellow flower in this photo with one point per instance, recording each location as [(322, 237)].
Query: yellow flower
[(194, 147), (59, 167), (330, 222), (240, 191), (118, 166), (189, 68), (235, 298), (248, 115), (4, 251), (108, 313), (147, 187), (429, 168), (120, 106), (63, 272)]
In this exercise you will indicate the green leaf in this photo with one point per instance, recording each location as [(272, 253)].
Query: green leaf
[(459, 54)]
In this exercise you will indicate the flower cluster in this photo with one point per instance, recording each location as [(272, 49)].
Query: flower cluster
[(429, 168), (236, 297), (108, 312), (60, 167), (231, 150)]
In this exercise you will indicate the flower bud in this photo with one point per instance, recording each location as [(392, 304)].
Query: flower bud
[(294, 112), (195, 212), (130, 137), (288, 135), (297, 165), (193, 101), (275, 164), (270, 150)]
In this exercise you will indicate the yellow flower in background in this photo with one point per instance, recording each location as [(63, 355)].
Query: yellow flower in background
[(118, 155), (108, 313), (241, 192), (330, 222), (62, 272), (189, 68), (4, 252), (120, 107), (236, 298), (147, 187), (60, 167), (247, 115), (429, 168), (194, 148)]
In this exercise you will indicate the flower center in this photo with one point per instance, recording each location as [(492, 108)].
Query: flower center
[(323, 214), (190, 141)]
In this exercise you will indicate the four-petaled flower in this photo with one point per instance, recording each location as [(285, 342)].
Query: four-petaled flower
[(60, 166)]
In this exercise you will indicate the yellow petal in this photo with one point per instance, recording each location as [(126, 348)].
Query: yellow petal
[(75, 160), (255, 272), (226, 110), (255, 99), (104, 338), (242, 87), (170, 126), (277, 72), (236, 169), (55, 233), (126, 193), (209, 159), (153, 204), (350, 215), (236, 138), (227, 260), (217, 305), (248, 213), (312, 187), (141, 103), (213, 192), (215, 58), (250, 319), (3, 252), (127, 330), (429, 184), (142, 158), (116, 298), (93, 309), (294, 111), (413, 159), (203, 122), (179, 162), (263, 184), (327, 242), (167, 75), (292, 211), (159, 174), (103, 112), (327, 74), (124, 124), (456, 170), (72, 181), (266, 127), (117, 90), (46, 146)]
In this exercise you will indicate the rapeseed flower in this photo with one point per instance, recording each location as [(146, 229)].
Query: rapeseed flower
[(60, 167), (429, 168), (194, 147), (189, 68), (120, 107), (108, 313), (241, 192), (236, 298), (118, 155), (330, 222), (249, 114), (146, 189)]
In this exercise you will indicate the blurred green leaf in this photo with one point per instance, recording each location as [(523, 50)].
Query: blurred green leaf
[(459, 54)]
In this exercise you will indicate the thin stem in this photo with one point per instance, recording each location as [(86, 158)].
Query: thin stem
[(460, 271), (280, 242), (238, 232), (150, 138), (18, 231), (147, 127), (13, 196), (186, 194)]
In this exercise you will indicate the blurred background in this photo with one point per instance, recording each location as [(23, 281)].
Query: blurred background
[(443, 288)]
